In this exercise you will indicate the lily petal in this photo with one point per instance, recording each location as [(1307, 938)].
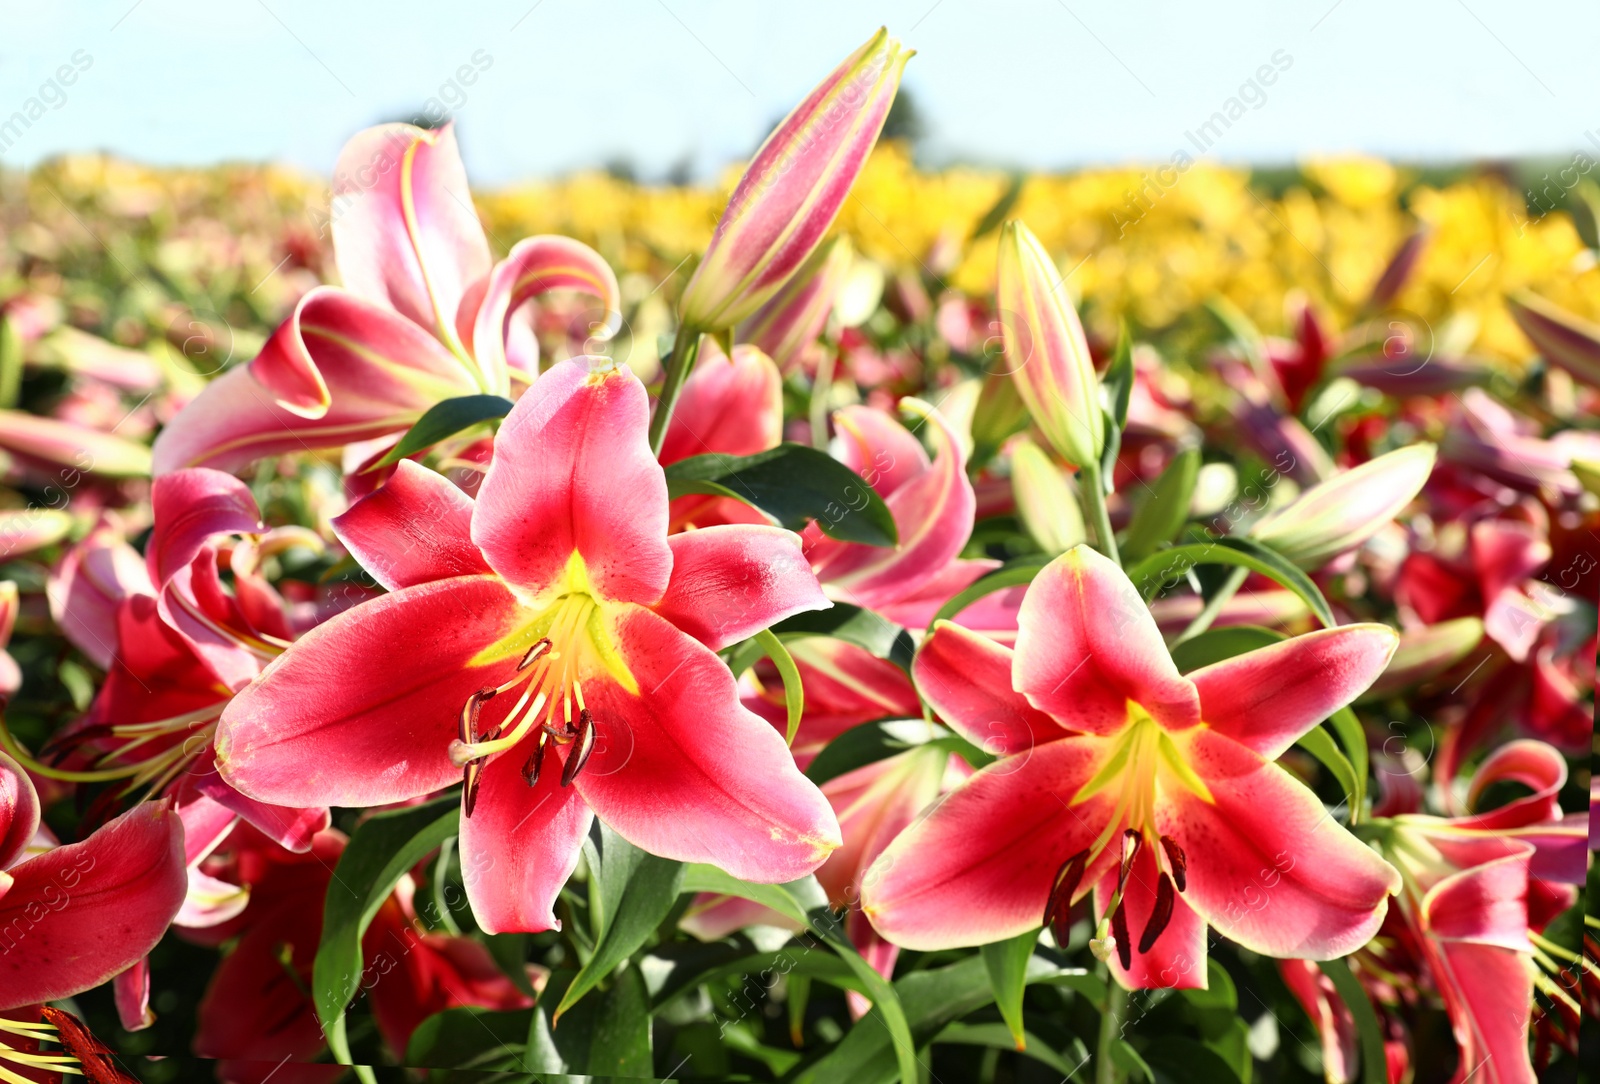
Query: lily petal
[(683, 770), (933, 513), (92, 578), (966, 679), (1266, 698), (19, 811), (537, 265), (942, 884), (417, 527), (729, 405), (573, 473), (1086, 645), (360, 711), (521, 844), (1267, 866), (78, 914), (339, 370), (404, 230), (731, 582)]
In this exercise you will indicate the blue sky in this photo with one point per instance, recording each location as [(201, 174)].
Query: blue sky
[(1029, 83)]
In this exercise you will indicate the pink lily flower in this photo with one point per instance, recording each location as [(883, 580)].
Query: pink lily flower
[(424, 315), (1476, 890), (79, 914), (791, 323), (552, 646), (932, 502), (1153, 788)]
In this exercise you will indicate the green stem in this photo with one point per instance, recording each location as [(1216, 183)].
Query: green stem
[(821, 388), (1105, 1068), (685, 348), (1208, 613), (1092, 495)]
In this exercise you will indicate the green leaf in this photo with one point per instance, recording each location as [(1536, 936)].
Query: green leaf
[(794, 485), (1180, 1060), (1007, 964), (1215, 645), (998, 1036), (865, 628), (443, 420), (1374, 1063), (1129, 1061), (1159, 569), (868, 743), (932, 1000), (620, 1045), (805, 902), (1118, 391), (1011, 574), (381, 850), (638, 891), (470, 1038), (794, 697), (1163, 511), (1354, 739), (1243, 331), (1320, 744)]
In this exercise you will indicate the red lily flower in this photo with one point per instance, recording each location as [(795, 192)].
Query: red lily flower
[(256, 1007), (74, 916), (550, 644), (1156, 789), (422, 317)]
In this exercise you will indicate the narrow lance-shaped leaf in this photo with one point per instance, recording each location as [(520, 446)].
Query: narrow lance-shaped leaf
[(1164, 508), (794, 485), (379, 853), (443, 420), (633, 911)]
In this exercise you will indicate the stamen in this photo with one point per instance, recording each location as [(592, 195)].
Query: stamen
[(1058, 907), (1160, 916), (530, 770), (99, 1063), (1119, 929), (1131, 842), (1178, 861), (469, 714), (579, 756)]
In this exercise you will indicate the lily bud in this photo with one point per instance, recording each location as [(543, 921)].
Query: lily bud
[(1336, 516), (794, 187), (1045, 351), (798, 313), (1564, 339), (1427, 652), (1045, 500)]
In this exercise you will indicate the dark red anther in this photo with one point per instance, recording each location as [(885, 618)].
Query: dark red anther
[(1119, 930), (532, 654), (1178, 860), (1058, 907), (469, 715), (469, 786), (530, 770), (578, 756), (1160, 915)]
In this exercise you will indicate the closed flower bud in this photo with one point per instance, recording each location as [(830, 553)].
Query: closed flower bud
[(794, 187), (1336, 516), (1045, 350)]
